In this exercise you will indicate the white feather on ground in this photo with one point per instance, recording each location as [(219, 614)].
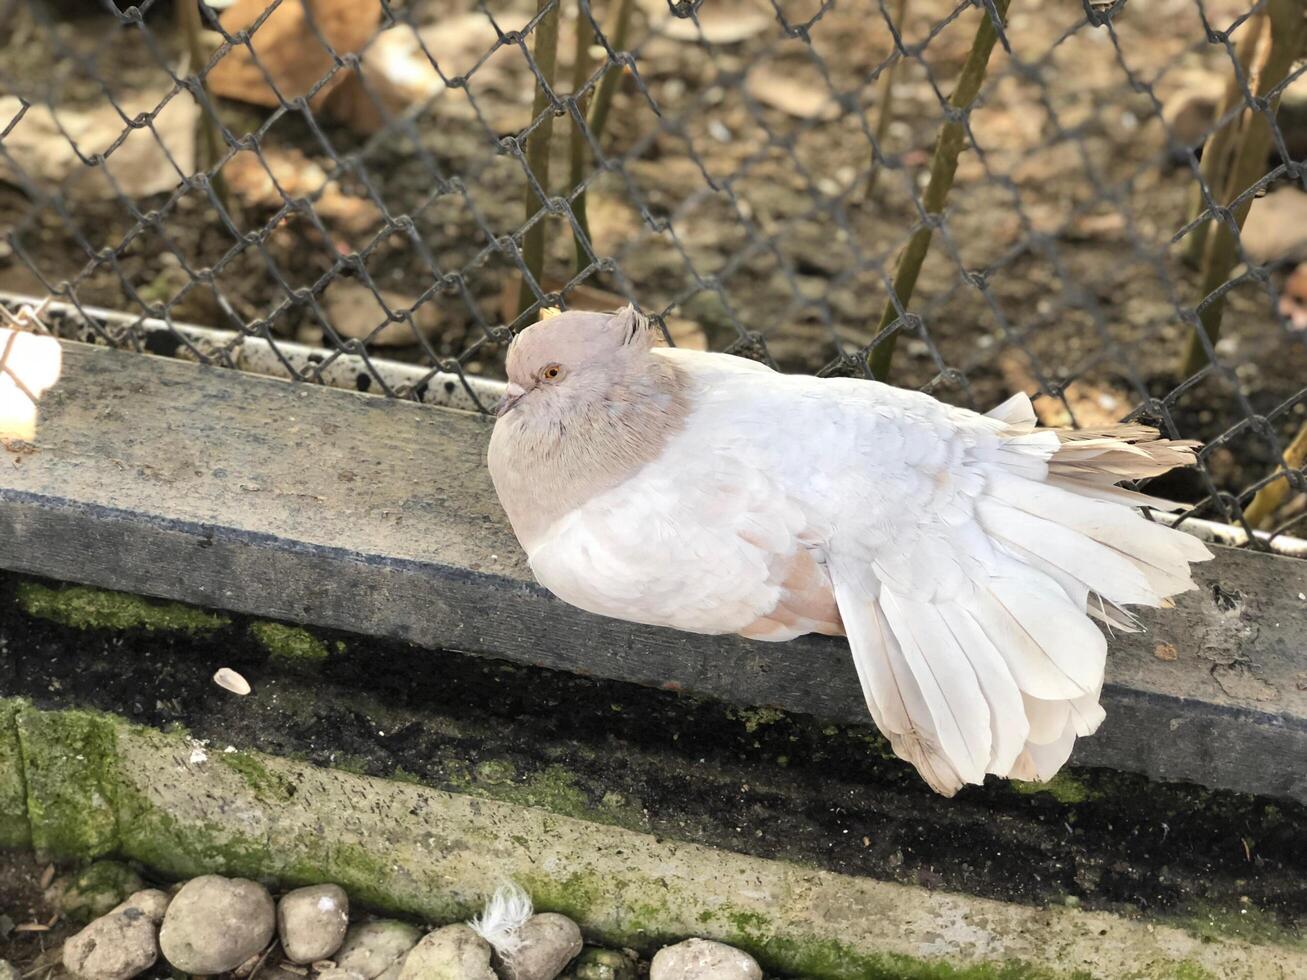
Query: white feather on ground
[(500, 922)]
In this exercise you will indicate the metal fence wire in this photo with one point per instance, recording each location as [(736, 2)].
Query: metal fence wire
[(1102, 203)]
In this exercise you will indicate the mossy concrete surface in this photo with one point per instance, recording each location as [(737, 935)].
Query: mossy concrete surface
[(86, 608), (95, 785)]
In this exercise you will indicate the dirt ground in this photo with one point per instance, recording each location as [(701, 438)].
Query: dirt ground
[(1064, 212)]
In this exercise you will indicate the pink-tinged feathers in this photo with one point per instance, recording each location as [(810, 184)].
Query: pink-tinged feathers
[(963, 555)]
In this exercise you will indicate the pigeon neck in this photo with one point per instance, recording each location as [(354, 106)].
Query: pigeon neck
[(547, 472)]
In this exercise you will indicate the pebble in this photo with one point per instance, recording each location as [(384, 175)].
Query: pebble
[(452, 953), (703, 959), (97, 890), (215, 924), (336, 973), (602, 964), (119, 945), (8, 971), (549, 941), (312, 922), (372, 949)]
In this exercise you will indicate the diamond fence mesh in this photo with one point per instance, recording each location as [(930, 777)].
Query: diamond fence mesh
[(1103, 204)]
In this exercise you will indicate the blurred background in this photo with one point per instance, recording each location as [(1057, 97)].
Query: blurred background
[(381, 191)]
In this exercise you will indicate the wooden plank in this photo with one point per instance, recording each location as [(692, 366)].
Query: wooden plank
[(343, 510)]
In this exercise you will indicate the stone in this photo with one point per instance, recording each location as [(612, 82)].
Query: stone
[(372, 949), (97, 890), (452, 953), (8, 971), (312, 922), (549, 942), (336, 973), (595, 963), (215, 924), (116, 946), (153, 902), (703, 959)]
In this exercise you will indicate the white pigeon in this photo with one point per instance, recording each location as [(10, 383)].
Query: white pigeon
[(961, 554)]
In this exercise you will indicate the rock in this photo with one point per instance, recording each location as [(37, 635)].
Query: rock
[(151, 901), (703, 959), (336, 973), (98, 890), (312, 922), (39, 148), (549, 941), (118, 945), (372, 949), (8, 971), (452, 953), (215, 924), (602, 964)]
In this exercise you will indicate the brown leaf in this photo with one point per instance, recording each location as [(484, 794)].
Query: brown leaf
[(288, 49), (720, 22), (1094, 405), (793, 93), (255, 182), (1293, 298)]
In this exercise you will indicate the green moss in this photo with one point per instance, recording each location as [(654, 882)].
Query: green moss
[(1063, 787), (85, 608), (828, 958), (97, 889), (267, 785), (290, 647), (553, 788), (601, 964), (69, 769), (755, 718), (15, 831), (1213, 923)]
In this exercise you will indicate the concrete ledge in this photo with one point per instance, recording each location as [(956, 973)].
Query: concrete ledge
[(102, 786), (376, 516)]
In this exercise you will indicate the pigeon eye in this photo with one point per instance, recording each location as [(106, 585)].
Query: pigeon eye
[(551, 372)]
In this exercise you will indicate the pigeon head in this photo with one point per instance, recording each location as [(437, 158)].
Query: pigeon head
[(568, 361)]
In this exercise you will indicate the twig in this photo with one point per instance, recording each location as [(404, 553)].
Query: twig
[(580, 71), (943, 166), (189, 11), (1286, 24), (1268, 499), (598, 117), (885, 98), (1217, 154), (545, 53)]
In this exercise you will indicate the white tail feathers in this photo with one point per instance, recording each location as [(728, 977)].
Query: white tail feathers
[(500, 922), (1003, 676)]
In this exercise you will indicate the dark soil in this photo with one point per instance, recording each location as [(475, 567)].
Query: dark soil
[(760, 782), (1065, 217)]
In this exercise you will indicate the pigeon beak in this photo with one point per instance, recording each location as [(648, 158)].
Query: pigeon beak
[(512, 395)]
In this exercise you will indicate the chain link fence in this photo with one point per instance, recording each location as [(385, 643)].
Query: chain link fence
[(1102, 203)]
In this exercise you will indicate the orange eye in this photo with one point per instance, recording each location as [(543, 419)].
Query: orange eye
[(552, 372)]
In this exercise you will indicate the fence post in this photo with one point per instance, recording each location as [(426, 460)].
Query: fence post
[(943, 165)]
